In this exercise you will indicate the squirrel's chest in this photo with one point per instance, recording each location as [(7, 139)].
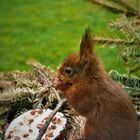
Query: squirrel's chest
[(80, 100)]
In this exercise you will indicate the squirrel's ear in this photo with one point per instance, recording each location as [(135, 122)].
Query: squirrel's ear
[(86, 45)]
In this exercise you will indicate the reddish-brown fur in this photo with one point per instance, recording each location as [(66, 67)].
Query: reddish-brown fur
[(87, 87)]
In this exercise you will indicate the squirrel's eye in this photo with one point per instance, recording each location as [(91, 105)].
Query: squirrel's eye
[(68, 71)]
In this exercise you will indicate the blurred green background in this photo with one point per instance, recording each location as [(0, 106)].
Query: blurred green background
[(49, 30)]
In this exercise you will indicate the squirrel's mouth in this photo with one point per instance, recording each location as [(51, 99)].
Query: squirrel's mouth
[(61, 84)]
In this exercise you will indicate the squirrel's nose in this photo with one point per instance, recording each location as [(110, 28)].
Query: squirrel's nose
[(56, 82)]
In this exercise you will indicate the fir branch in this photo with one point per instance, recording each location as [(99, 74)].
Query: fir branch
[(125, 26), (133, 92), (125, 80), (44, 128), (129, 11), (107, 6), (110, 41), (125, 4), (130, 52)]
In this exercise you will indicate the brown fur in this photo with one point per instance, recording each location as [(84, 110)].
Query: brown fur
[(108, 109)]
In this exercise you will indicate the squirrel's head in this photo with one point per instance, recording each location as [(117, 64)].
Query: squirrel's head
[(77, 66)]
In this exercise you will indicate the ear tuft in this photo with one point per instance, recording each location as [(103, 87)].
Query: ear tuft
[(86, 44)]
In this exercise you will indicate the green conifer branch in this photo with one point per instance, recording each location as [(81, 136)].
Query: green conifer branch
[(126, 5), (127, 9), (112, 41), (125, 80)]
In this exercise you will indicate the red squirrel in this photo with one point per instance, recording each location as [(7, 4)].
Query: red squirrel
[(93, 94)]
